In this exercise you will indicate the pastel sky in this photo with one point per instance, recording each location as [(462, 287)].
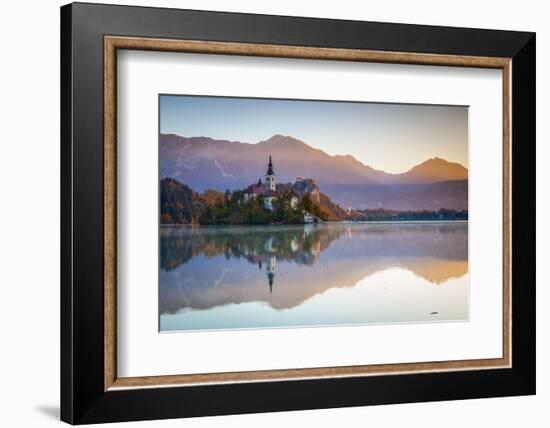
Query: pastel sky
[(391, 137)]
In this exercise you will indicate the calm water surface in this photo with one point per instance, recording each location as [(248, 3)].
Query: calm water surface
[(330, 274)]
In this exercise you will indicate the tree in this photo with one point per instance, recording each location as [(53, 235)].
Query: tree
[(307, 204), (213, 197), (166, 219), (177, 200)]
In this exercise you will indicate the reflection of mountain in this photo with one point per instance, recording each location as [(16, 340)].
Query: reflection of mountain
[(435, 270), (204, 163), (206, 267)]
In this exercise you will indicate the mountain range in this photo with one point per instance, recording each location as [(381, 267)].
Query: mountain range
[(203, 163)]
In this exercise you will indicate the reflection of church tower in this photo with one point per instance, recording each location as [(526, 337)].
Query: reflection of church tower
[(270, 177), (271, 272)]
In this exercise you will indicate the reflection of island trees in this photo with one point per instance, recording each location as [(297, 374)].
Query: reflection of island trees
[(301, 244), (337, 255)]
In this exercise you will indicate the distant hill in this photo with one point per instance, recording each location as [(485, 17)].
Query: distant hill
[(204, 163), (452, 194), (430, 171)]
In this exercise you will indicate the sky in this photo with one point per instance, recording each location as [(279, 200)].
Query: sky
[(390, 137)]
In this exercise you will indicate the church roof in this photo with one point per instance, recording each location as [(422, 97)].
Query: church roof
[(255, 188), (270, 167)]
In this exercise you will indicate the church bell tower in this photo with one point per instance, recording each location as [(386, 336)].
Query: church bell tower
[(270, 177)]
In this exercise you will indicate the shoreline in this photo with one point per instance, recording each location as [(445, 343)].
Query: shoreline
[(347, 222)]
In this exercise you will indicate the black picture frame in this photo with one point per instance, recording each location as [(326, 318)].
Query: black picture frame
[(83, 398)]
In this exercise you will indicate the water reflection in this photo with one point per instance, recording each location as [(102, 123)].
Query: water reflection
[(246, 277)]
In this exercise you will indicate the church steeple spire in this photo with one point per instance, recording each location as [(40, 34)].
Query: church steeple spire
[(270, 167), (270, 177)]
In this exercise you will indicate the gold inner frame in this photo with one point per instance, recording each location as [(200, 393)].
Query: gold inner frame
[(113, 43)]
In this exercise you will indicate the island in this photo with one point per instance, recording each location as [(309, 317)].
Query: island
[(269, 202)]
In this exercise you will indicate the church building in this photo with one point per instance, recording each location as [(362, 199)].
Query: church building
[(270, 193), (267, 189)]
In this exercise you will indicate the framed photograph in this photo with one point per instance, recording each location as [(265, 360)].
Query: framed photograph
[(266, 213)]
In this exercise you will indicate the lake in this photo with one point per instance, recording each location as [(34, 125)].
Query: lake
[(239, 277)]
